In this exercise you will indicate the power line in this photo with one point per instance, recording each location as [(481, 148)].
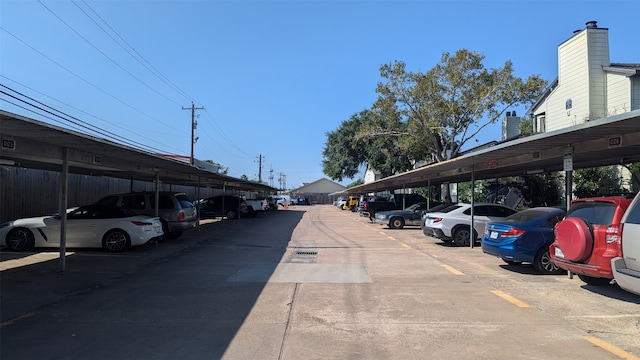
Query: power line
[(86, 113), (138, 57), (78, 122), (107, 56), (87, 81)]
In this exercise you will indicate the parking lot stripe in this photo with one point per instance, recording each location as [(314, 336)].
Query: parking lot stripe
[(611, 348), (11, 321), (510, 299), (454, 271)]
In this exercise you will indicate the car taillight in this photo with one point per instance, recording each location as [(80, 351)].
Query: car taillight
[(141, 223), (181, 216), (365, 206), (438, 219), (612, 234), (513, 232)]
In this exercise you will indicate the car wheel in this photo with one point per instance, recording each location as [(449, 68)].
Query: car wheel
[(542, 262), (20, 239), (175, 234), (231, 214), (511, 262), (461, 236), (165, 229), (251, 213), (396, 223), (116, 240), (595, 280)]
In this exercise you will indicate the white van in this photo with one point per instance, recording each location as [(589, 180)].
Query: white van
[(626, 269)]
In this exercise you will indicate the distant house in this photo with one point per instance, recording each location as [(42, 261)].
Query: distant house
[(318, 191), (588, 86)]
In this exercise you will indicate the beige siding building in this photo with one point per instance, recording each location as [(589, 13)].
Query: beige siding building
[(588, 86)]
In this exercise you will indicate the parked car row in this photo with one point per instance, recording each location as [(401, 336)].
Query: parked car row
[(93, 226), (597, 239), (120, 221)]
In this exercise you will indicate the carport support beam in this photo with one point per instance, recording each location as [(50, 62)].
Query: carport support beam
[(62, 210), (472, 238)]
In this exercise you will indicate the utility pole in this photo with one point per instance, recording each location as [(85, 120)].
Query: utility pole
[(271, 176), (283, 181), (260, 157), (194, 125)]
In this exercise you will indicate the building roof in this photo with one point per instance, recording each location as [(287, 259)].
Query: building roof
[(320, 186)]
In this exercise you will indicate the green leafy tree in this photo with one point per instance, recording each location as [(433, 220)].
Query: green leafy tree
[(342, 153), (541, 189), (346, 151), (448, 105), (355, 183), (596, 181)]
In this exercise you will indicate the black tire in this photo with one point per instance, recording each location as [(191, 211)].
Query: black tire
[(165, 229), (175, 234), (595, 280), (232, 214), (116, 241), (20, 239), (251, 212), (396, 223), (542, 262), (461, 236)]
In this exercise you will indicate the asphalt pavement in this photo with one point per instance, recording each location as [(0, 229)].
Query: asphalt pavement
[(310, 282)]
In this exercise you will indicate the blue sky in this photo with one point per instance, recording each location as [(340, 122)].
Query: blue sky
[(273, 76)]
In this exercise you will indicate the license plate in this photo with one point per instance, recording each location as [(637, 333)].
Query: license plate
[(494, 235), (559, 253)]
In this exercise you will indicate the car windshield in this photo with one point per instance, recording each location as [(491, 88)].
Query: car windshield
[(595, 212), (414, 207)]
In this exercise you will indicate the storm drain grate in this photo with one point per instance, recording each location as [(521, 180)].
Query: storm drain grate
[(305, 252)]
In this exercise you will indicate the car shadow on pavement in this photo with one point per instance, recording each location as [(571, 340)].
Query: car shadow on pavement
[(613, 291), (525, 269)]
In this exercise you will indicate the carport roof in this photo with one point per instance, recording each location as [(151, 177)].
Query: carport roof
[(33, 144), (609, 141)]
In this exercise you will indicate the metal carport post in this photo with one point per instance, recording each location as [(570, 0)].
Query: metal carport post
[(62, 207), (472, 238)]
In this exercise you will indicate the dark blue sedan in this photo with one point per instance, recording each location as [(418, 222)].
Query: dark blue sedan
[(524, 237)]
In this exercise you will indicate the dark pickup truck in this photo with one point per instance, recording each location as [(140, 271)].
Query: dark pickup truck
[(370, 207)]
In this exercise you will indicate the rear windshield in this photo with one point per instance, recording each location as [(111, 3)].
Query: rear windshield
[(184, 201), (530, 214), (595, 212), (449, 209)]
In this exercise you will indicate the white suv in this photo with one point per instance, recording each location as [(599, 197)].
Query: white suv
[(626, 269)]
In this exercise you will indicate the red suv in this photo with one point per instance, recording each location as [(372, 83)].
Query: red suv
[(587, 239)]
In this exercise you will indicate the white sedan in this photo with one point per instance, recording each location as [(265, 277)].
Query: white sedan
[(92, 226), (452, 224)]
